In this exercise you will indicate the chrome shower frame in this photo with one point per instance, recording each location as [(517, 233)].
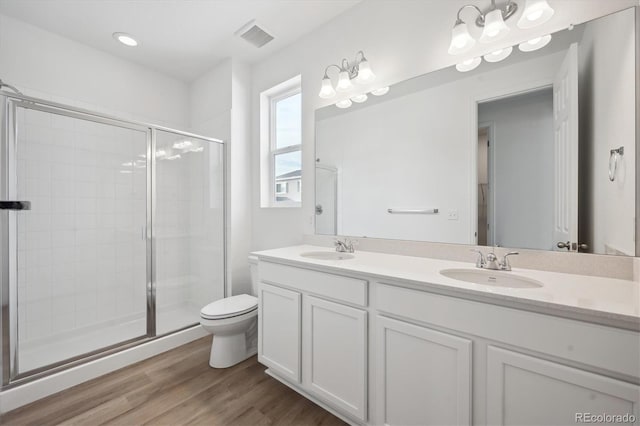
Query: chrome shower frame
[(8, 280)]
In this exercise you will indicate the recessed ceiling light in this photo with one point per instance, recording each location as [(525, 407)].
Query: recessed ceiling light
[(125, 39)]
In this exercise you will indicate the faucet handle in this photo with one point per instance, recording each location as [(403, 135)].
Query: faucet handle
[(505, 265), (480, 261)]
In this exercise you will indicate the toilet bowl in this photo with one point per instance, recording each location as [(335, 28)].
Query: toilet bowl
[(233, 321)]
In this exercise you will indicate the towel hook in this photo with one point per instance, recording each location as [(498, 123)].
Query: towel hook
[(614, 154)]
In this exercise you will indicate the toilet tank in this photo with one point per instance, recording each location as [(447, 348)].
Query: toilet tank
[(253, 265)]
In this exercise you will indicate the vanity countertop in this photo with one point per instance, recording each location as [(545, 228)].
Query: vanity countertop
[(606, 301)]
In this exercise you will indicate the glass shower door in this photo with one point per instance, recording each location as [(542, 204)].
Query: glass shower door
[(78, 277), (188, 228)]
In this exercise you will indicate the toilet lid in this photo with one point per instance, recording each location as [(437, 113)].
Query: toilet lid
[(230, 306)]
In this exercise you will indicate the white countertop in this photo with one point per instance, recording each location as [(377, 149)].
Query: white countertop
[(607, 301)]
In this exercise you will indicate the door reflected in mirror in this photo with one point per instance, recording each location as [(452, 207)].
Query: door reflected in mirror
[(518, 153)]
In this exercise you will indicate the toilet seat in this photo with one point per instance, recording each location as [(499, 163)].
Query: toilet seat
[(229, 307)]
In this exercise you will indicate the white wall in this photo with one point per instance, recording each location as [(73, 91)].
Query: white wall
[(219, 107), (52, 67), (606, 124), (415, 151), (522, 184), (401, 40)]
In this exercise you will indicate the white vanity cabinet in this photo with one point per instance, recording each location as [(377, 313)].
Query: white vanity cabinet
[(313, 334), (279, 322), (424, 375), (335, 354), (380, 350), (523, 389)]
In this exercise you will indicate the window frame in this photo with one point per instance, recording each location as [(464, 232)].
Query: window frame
[(274, 150)]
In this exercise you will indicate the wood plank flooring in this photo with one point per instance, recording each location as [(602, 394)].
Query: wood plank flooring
[(176, 388)]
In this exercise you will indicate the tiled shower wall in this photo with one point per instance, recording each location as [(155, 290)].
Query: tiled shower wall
[(81, 252), (81, 249)]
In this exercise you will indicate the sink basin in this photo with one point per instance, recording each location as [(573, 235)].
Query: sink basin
[(327, 255), (493, 278)]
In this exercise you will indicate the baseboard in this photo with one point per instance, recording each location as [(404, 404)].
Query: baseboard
[(27, 393)]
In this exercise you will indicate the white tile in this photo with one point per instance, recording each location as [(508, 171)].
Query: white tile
[(62, 171)]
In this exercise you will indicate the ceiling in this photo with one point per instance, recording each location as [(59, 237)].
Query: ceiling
[(181, 38)]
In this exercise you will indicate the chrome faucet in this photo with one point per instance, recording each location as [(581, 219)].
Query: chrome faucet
[(491, 261), (345, 246)]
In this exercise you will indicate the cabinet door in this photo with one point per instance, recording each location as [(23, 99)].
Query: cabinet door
[(523, 389), (424, 376), (335, 364), (279, 320)]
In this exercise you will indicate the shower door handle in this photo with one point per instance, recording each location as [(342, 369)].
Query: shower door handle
[(15, 205)]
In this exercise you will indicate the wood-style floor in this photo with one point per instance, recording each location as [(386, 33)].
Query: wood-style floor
[(175, 388)]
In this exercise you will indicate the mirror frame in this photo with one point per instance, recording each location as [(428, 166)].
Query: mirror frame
[(637, 159)]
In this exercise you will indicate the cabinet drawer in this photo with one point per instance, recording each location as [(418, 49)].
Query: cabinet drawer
[(338, 287), (599, 346)]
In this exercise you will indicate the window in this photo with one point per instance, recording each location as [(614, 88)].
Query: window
[(281, 145), (281, 188)]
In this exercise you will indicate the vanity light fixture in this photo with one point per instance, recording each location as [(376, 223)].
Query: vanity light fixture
[(126, 39), (345, 103), (536, 12), (493, 23), (498, 55), (359, 98), (358, 70), (469, 64), (381, 91), (494, 26), (535, 43)]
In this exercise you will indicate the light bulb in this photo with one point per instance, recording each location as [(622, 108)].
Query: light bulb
[(125, 39), (498, 55), (535, 44), (536, 12), (461, 40), (327, 91), (494, 27), (345, 103), (365, 74), (359, 98), (469, 64), (381, 91), (344, 82)]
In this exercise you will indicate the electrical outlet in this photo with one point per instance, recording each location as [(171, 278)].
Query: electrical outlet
[(452, 215)]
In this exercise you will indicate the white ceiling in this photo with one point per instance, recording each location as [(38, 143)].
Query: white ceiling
[(181, 38)]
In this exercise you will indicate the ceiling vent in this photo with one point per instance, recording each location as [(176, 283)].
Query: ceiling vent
[(255, 35)]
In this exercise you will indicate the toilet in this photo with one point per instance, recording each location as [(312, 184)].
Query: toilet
[(233, 321)]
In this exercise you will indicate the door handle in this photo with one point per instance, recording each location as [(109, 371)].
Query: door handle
[(562, 245), (15, 205)]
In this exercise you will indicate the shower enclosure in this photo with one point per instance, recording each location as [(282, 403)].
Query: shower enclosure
[(112, 233)]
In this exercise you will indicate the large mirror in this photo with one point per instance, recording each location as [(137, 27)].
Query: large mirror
[(536, 151)]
